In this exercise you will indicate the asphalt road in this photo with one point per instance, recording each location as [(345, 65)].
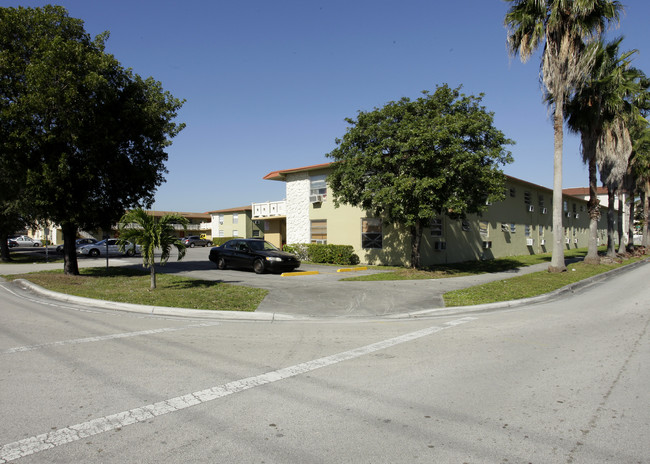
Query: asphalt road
[(560, 382)]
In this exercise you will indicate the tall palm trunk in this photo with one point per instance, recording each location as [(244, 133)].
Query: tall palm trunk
[(611, 221), (594, 214), (645, 204), (557, 256), (619, 223), (630, 222)]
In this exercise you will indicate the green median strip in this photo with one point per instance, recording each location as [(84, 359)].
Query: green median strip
[(527, 286), (127, 285)]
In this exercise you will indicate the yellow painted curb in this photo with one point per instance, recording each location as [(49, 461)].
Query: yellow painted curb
[(350, 269), (291, 274)]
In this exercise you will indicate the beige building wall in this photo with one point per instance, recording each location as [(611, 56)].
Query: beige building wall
[(520, 224)]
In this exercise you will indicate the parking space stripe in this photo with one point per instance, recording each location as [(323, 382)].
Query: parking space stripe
[(38, 443)]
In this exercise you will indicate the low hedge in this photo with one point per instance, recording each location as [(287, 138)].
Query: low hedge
[(320, 253)]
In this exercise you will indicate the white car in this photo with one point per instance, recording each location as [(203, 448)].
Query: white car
[(24, 240), (99, 248)]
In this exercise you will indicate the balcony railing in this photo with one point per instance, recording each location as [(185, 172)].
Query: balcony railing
[(269, 209)]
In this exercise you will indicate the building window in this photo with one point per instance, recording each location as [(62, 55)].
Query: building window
[(513, 228), (436, 227), (527, 198), (221, 219), (235, 233), (527, 230), (319, 231), (256, 233), (221, 233), (565, 206), (484, 228), (512, 192), (318, 188), (235, 218), (541, 201), (371, 233)]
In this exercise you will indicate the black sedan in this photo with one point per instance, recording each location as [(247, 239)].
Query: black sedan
[(259, 255)]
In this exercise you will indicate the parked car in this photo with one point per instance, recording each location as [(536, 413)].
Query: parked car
[(194, 240), (11, 243), (255, 254), (99, 248), (24, 240), (77, 243)]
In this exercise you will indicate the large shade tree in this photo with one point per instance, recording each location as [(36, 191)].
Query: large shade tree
[(413, 160), (562, 27), (93, 134)]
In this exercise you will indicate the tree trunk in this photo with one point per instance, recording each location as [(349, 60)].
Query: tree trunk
[(594, 214), (557, 255), (611, 221), (630, 222), (619, 225), (416, 240), (4, 248), (153, 276), (645, 204), (70, 265)]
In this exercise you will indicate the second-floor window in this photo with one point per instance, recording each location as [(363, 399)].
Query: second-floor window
[(235, 218), (318, 188)]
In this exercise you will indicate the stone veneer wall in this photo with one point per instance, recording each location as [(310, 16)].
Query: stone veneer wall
[(298, 225)]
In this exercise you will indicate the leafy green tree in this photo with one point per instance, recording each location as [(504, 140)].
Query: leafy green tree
[(562, 26), (592, 111), (413, 160), (93, 134), (137, 226)]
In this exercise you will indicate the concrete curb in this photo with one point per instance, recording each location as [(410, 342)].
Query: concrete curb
[(271, 317), (571, 288)]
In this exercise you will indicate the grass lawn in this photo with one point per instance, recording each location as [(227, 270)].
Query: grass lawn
[(529, 285), (132, 286), (466, 268)]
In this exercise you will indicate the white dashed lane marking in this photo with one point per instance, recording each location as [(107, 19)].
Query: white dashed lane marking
[(100, 338), (38, 443)]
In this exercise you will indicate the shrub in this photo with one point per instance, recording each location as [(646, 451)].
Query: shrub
[(218, 241), (320, 253)]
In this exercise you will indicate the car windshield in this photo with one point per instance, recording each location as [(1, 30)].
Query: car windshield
[(261, 246)]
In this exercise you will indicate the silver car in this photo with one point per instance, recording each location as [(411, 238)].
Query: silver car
[(24, 240), (100, 248)]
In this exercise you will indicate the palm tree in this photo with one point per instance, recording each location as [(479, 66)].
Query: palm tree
[(139, 227), (592, 110), (562, 26)]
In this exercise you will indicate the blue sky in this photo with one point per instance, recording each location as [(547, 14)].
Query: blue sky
[(268, 84)]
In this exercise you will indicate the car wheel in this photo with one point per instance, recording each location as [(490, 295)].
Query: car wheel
[(36, 245), (208, 244), (192, 245), (221, 263), (94, 253), (258, 266), (130, 252)]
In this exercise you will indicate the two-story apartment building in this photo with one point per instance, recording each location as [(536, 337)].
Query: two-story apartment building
[(520, 224), (235, 222)]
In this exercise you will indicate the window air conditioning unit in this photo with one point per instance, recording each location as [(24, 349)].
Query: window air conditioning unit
[(542, 242), (544, 211), (488, 202), (568, 215), (439, 246), (529, 242), (531, 208), (568, 240), (487, 245), (505, 228), (575, 240), (315, 198), (577, 215)]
